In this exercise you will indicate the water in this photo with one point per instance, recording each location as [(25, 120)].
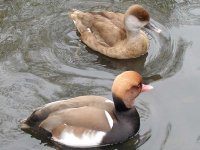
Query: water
[(42, 60)]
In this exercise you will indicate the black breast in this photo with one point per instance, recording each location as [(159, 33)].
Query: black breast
[(127, 125)]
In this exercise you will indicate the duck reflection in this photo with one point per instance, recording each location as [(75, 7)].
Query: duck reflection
[(137, 64), (165, 59)]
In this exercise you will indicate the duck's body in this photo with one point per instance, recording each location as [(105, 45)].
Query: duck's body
[(85, 115), (115, 35), (89, 121)]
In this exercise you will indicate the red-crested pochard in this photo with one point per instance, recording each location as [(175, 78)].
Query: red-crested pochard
[(115, 35), (90, 121)]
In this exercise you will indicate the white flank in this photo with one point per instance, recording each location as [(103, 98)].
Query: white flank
[(88, 29), (88, 139), (74, 22), (108, 101), (109, 118)]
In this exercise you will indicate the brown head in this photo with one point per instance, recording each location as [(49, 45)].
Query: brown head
[(126, 87), (139, 12), (137, 17)]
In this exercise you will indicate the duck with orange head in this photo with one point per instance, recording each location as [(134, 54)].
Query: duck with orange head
[(91, 121)]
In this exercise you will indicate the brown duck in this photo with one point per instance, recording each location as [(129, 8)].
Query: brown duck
[(115, 35)]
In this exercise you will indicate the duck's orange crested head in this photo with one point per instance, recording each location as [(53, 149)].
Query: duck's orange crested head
[(127, 86)]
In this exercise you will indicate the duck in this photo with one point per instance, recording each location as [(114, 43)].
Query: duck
[(92, 121), (115, 35)]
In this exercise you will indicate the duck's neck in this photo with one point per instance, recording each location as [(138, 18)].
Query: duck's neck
[(133, 33), (119, 105), (132, 26)]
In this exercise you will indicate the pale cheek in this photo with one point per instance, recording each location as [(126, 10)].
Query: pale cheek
[(144, 23), (133, 22)]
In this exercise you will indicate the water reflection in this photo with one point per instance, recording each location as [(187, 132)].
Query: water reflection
[(42, 60), (188, 10), (136, 64), (168, 130), (163, 60)]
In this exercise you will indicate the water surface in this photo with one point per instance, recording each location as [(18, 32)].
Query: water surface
[(42, 60)]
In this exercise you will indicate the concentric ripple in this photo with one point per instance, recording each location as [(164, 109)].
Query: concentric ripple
[(187, 14), (42, 60)]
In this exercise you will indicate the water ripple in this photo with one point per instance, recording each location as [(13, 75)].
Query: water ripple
[(43, 60), (189, 14)]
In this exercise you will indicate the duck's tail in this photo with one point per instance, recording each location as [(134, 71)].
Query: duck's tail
[(80, 20), (24, 125)]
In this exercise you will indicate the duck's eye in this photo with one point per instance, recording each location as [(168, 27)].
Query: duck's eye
[(141, 18)]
